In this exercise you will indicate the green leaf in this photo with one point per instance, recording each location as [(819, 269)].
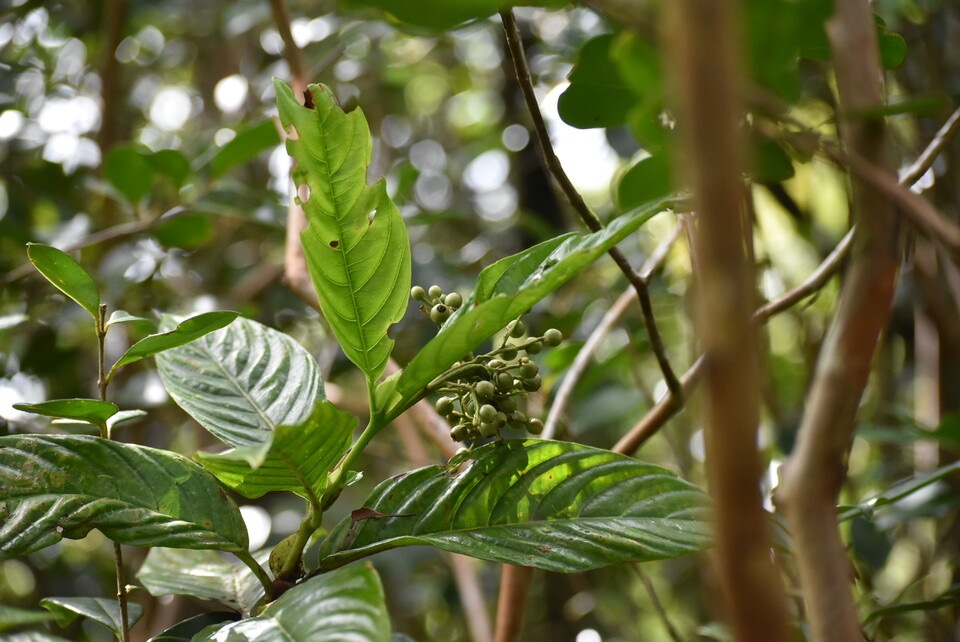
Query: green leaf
[(88, 410), (946, 599), (346, 605), (186, 231), (242, 382), (124, 416), (33, 636), (12, 617), (294, 457), (129, 171), (558, 506), (184, 631), (205, 575), (98, 609), (121, 316), (250, 140), (510, 288), (54, 486), (66, 275), (170, 163), (443, 15), (186, 331), (597, 96), (893, 48), (355, 243), (770, 163), (648, 179)]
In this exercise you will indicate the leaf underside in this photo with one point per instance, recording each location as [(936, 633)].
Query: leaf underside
[(553, 505)]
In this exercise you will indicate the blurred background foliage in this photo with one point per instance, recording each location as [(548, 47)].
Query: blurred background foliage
[(143, 133)]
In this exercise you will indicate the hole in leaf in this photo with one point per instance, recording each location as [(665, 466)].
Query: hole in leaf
[(308, 99), (303, 192), (334, 244), (292, 133)]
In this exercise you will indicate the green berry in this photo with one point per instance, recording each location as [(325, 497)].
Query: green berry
[(460, 432), (487, 413), (417, 293), (552, 337), (504, 381), (435, 292), (534, 348), (529, 370), (532, 384), (508, 403), (453, 300), (444, 405), (509, 353), (485, 390), (516, 329), (500, 420), (517, 419), (439, 313), (535, 426), (488, 430)]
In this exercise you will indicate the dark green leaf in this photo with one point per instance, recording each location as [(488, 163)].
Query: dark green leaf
[(54, 486), (187, 231), (187, 331), (11, 617), (205, 575), (242, 382), (893, 48), (510, 289), (294, 457), (598, 96), (171, 163), (355, 243), (67, 275), (443, 15), (129, 171), (770, 163), (250, 141), (946, 599), (346, 605), (869, 543), (121, 316), (558, 506), (648, 179), (184, 631), (98, 609), (88, 410)]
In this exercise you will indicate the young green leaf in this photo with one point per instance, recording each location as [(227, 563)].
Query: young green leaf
[(121, 316), (296, 458), (88, 410), (129, 171), (598, 96), (67, 275), (98, 609), (553, 505), (186, 331), (253, 379), (355, 243), (12, 617), (54, 486), (124, 416), (205, 575), (512, 287), (250, 140), (345, 605)]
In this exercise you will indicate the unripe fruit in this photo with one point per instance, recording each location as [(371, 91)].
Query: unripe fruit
[(487, 413), (508, 404), (439, 313), (517, 328), (509, 354), (460, 432), (552, 337), (501, 419), (535, 426), (453, 300), (435, 292), (534, 348), (417, 293), (444, 405), (529, 370), (517, 420), (532, 384), (485, 390), (488, 430), (504, 381)]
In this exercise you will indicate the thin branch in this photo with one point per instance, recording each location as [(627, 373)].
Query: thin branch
[(525, 80), (580, 364), (925, 160), (291, 52), (657, 604)]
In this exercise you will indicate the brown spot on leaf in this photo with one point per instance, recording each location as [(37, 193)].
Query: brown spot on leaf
[(334, 244), (308, 99)]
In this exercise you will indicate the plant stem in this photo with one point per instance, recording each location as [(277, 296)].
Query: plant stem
[(265, 581), (308, 527)]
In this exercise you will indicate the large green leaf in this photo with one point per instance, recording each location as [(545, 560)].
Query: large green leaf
[(346, 605), (184, 631), (67, 275), (186, 331), (206, 575), (98, 609), (56, 486), (598, 96), (295, 457), (89, 410), (506, 290), (12, 617), (243, 381), (356, 243), (553, 505)]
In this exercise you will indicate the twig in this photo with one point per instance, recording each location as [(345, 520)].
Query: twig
[(514, 584), (657, 604), (291, 52), (925, 160), (579, 366), (525, 80)]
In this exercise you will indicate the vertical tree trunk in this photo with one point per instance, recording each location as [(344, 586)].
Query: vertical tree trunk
[(707, 79), (816, 468)]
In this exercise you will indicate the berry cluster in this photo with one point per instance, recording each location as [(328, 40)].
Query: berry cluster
[(483, 394)]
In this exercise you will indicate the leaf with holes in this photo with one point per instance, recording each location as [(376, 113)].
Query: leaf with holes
[(243, 381), (505, 290), (67, 275), (355, 243), (553, 505), (100, 610), (295, 457), (346, 605), (56, 486)]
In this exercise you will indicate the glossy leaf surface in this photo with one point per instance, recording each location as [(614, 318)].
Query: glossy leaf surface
[(98, 609), (54, 486), (186, 331), (243, 381), (346, 605), (553, 505), (205, 575), (295, 457), (89, 410), (506, 290), (356, 242), (67, 275), (184, 631)]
